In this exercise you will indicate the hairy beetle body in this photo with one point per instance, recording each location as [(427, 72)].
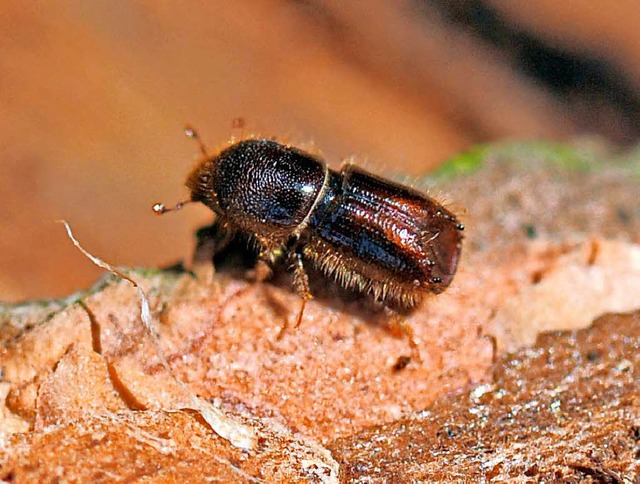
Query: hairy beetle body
[(384, 239), (367, 233)]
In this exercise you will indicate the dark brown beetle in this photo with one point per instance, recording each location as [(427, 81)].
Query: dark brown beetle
[(369, 234)]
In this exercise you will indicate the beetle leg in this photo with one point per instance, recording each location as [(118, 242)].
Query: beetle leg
[(399, 324), (210, 241), (267, 257), (262, 271), (300, 284)]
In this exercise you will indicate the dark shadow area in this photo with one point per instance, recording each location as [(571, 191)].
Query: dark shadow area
[(238, 258)]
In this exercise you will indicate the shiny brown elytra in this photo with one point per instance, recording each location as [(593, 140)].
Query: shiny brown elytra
[(368, 234)]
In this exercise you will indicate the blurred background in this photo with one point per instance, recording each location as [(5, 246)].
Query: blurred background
[(94, 96)]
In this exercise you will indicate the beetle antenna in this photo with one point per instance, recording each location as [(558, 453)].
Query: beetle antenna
[(239, 124), (191, 132), (160, 208)]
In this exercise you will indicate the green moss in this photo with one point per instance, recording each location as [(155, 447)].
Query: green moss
[(564, 156), (462, 164), (526, 154)]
